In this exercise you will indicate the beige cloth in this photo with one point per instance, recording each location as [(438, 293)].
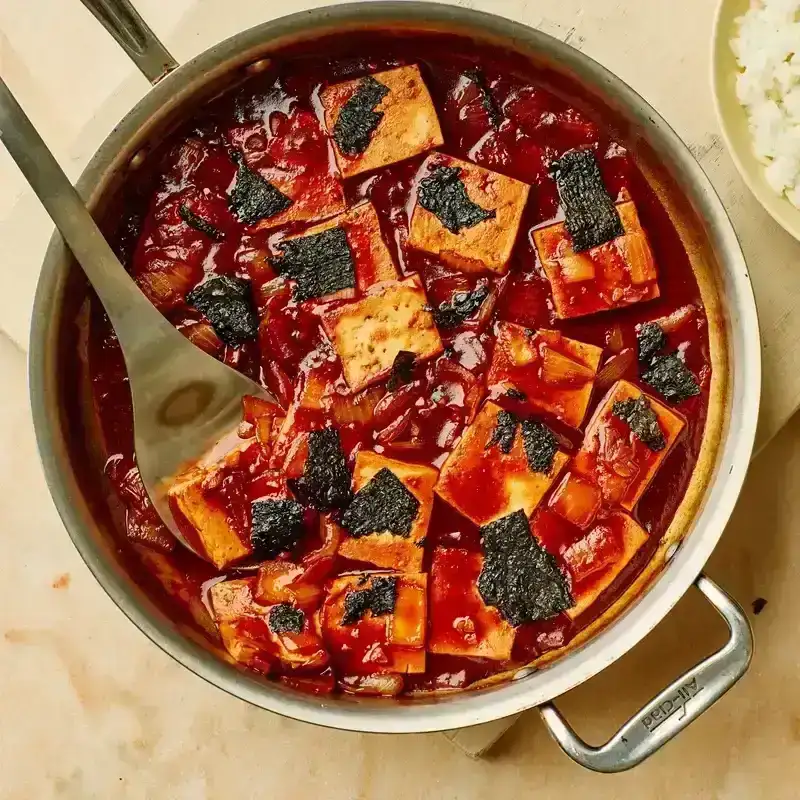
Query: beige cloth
[(51, 52)]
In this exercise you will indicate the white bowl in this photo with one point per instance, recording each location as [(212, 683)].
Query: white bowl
[(733, 119)]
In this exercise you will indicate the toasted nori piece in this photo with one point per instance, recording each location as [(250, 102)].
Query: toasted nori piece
[(254, 198), (285, 618), (442, 192), (519, 577), (380, 599), (384, 504), (540, 445), (358, 119), (505, 431), (461, 306), (487, 98), (320, 263), (650, 339), (402, 370), (227, 303), (325, 483), (641, 418), (669, 376), (277, 526), (516, 394), (591, 218), (199, 224)]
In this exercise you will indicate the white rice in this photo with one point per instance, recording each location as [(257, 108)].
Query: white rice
[(768, 51)]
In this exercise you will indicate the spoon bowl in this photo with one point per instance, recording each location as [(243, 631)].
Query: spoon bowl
[(185, 402)]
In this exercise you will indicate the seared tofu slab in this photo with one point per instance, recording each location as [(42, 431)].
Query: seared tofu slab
[(380, 119), (502, 464), (205, 523), (612, 275), (265, 636), (375, 622), (625, 443), (461, 623), (370, 333), (597, 559), (545, 370), (466, 215), (387, 521)]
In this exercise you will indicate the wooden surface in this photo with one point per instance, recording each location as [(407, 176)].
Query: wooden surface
[(51, 52)]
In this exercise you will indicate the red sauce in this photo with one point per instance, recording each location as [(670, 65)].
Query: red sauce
[(274, 121)]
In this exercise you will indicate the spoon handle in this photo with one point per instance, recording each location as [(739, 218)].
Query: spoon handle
[(120, 296)]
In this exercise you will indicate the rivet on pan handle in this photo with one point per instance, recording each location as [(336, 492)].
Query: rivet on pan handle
[(673, 709), (133, 35)]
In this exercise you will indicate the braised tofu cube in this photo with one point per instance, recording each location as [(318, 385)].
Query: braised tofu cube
[(375, 623), (205, 524), (387, 521), (596, 560), (625, 443), (502, 464), (576, 500), (380, 119), (461, 624), (337, 256), (369, 333), (546, 369), (611, 275), (466, 215), (261, 636)]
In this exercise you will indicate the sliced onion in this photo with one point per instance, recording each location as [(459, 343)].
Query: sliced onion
[(393, 404), (615, 369), (395, 429), (677, 319), (376, 685)]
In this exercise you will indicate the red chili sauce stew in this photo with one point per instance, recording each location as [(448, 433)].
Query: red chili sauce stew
[(486, 345)]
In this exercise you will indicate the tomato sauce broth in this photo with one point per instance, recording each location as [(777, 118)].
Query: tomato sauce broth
[(266, 118)]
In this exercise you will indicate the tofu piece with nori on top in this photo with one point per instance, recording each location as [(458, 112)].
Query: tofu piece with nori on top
[(500, 465), (461, 623), (466, 215), (387, 521), (357, 255), (380, 119), (612, 275), (590, 216), (369, 333), (596, 560), (626, 441), (375, 622), (285, 175), (550, 372), (519, 577), (261, 636)]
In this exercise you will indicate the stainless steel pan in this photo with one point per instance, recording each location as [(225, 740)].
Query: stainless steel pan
[(176, 90)]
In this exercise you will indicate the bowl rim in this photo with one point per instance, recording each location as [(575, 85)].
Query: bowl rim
[(747, 165), (465, 708)]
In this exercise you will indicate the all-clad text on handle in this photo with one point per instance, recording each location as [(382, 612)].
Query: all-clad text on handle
[(673, 709)]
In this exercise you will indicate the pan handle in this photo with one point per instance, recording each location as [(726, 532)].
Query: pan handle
[(133, 35), (672, 710)]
